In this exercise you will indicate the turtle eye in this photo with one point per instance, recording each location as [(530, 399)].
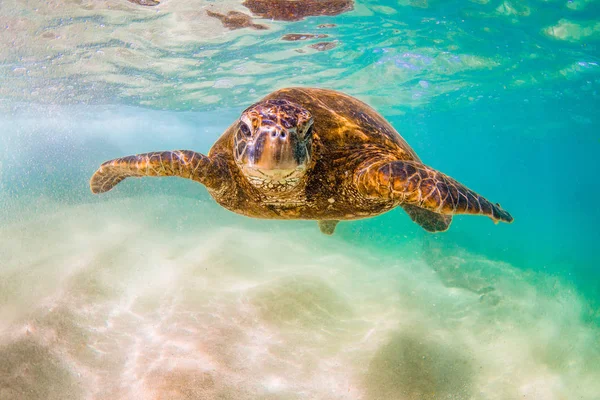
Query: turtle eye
[(245, 130), (309, 132)]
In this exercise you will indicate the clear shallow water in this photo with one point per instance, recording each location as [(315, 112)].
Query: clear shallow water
[(154, 291)]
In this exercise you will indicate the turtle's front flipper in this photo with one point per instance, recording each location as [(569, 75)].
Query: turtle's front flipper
[(182, 163), (413, 183)]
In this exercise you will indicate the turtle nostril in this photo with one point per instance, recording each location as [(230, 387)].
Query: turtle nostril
[(273, 134), (282, 135)]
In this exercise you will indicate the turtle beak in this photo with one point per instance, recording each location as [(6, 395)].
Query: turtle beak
[(276, 152)]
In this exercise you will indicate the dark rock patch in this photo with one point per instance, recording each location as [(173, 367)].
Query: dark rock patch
[(236, 20), (180, 384), (300, 302), (291, 10), (456, 271), (415, 367), (29, 371), (145, 2), (322, 46), (292, 37)]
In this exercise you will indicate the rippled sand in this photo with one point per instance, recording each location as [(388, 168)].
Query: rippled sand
[(123, 299)]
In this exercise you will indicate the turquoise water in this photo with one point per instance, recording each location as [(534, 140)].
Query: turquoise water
[(152, 291)]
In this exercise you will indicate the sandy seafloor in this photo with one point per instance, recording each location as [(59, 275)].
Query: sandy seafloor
[(154, 292), (124, 300)]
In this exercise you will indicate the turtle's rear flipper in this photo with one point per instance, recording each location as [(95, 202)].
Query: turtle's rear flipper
[(429, 220), (410, 182), (182, 163), (328, 227)]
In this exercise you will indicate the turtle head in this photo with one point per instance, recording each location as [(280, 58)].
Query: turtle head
[(272, 144)]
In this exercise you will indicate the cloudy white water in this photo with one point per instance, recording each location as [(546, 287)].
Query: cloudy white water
[(121, 300)]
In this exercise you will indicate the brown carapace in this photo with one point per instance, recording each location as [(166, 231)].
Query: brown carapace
[(316, 154)]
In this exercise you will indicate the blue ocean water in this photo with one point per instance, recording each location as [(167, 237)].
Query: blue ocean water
[(153, 291)]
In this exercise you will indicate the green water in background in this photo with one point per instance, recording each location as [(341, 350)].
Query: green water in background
[(503, 96)]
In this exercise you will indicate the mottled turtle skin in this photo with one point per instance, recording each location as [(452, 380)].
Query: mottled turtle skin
[(334, 158)]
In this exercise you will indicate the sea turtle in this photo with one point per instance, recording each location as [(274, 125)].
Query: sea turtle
[(313, 154)]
